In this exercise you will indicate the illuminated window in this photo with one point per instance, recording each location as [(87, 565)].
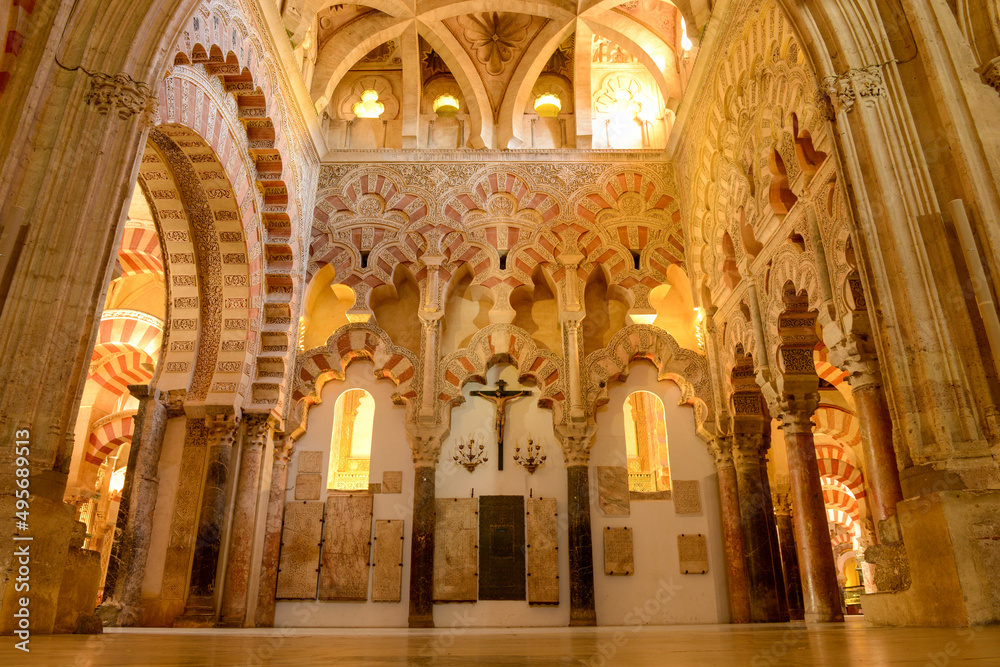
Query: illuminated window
[(351, 443), (646, 443)]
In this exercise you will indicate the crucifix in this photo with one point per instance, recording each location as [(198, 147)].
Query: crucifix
[(499, 397)]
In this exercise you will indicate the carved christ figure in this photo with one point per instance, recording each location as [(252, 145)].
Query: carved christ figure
[(500, 398)]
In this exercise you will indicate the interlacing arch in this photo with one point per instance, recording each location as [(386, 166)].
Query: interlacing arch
[(687, 369), (106, 436), (503, 343), (351, 342)]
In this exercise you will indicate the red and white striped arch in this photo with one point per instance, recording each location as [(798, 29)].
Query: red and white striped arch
[(126, 351), (838, 424), (140, 252), (826, 370)]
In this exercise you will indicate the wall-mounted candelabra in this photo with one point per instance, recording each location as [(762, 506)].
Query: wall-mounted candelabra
[(532, 458), (470, 454)]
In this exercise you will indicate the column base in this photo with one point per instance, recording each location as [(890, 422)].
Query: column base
[(952, 545), (583, 621), (421, 622), (198, 613)]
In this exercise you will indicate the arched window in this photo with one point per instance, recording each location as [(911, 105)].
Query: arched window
[(646, 443), (351, 443)]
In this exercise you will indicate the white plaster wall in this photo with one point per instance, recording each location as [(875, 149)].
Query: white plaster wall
[(658, 594), (476, 416), (390, 451)]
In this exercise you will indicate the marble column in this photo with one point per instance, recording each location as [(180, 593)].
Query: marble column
[(759, 562), (127, 565), (772, 532), (582, 609), (732, 531), (789, 559), (234, 596), (820, 593), (264, 615), (422, 548), (881, 471), (201, 603)]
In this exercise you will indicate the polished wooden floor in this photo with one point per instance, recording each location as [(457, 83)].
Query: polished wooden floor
[(853, 643)]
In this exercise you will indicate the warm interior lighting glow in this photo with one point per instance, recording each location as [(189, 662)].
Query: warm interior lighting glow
[(643, 318), (548, 105), (117, 482), (624, 107), (686, 43), (446, 106), (369, 106)]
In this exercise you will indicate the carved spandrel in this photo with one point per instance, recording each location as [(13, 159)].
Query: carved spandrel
[(692, 552), (618, 555), (542, 551), (301, 532), (387, 570), (455, 544), (612, 490), (347, 534)]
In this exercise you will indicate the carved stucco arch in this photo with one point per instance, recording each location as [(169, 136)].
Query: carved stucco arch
[(687, 369)]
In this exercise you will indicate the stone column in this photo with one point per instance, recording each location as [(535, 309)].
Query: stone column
[(127, 565), (759, 562), (789, 559), (881, 471), (264, 615), (732, 531), (425, 454), (200, 609), (820, 593), (234, 597), (772, 532), (576, 443)]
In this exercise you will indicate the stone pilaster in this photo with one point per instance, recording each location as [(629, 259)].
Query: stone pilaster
[(234, 600), (759, 561), (200, 609), (732, 531), (820, 593), (264, 615)]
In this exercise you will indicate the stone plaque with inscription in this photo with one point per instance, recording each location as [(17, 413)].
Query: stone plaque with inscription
[(387, 568), (347, 534), (501, 548), (612, 490), (307, 486), (300, 537), (455, 534), (692, 551), (686, 495), (542, 551), (310, 461), (392, 481), (618, 558)]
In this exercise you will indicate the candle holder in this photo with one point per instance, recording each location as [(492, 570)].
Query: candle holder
[(470, 455), (532, 459)]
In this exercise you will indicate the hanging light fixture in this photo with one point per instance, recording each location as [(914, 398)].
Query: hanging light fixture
[(548, 105), (369, 106), (446, 105)]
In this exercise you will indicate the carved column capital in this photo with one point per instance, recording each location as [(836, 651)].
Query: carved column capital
[(257, 425), (220, 427), (863, 83), (426, 450), (576, 442), (782, 504), (991, 73), (121, 94), (174, 400), (721, 449), (856, 354), (797, 411), (283, 448), (747, 448)]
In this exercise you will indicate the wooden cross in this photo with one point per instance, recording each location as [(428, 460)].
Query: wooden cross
[(499, 397)]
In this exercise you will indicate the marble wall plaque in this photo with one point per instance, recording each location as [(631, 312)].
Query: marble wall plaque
[(501, 548), (542, 551), (387, 570), (310, 462), (392, 481), (686, 495), (618, 558), (455, 537), (308, 486), (612, 490), (347, 534), (299, 559), (374, 487), (692, 551)]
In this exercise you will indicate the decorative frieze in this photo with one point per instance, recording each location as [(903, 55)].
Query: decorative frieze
[(121, 94)]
